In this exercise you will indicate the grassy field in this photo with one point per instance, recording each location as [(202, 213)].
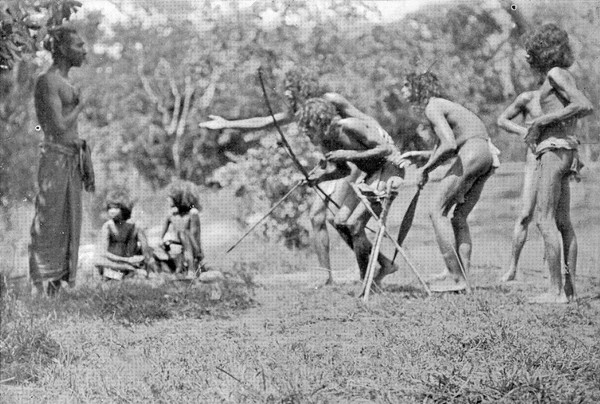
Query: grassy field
[(277, 338)]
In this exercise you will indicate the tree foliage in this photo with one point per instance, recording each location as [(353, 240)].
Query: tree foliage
[(154, 74)]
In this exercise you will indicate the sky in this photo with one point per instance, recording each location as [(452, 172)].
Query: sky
[(391, 10)]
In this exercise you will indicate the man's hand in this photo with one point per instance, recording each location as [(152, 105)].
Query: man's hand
[(311, 181), (338, 156), (533, 132), (77, 96), (404, 160), (216, 123), (422, 177)]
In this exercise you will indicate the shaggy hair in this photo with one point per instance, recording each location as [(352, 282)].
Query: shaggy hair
[(548, 46), (118, 196), (58, 36), (316, 116), (303, 84), (184, 195), (422, 87)]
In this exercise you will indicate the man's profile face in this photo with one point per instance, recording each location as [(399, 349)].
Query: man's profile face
[(75, 50)]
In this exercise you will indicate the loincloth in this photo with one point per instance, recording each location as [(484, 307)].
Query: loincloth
[(574, 170)]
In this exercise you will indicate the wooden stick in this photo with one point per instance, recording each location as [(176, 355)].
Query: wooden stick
[(378, 239), (396, 245)]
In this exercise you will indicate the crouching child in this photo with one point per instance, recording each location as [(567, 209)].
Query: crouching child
[(181, 249), (123, 247)]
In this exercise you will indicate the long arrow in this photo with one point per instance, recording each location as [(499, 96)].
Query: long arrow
[(266, 215)]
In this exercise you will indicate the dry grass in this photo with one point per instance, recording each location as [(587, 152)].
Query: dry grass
[(287, 342)]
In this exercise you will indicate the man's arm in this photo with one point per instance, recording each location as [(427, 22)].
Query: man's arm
[(48, 96), (518, 107), (447, 147), (578, 105), (333, 171), (261, 122)]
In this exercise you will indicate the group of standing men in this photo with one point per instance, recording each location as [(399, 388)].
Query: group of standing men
[(357, 151)]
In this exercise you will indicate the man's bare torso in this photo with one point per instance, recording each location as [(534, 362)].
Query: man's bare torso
[(533, 108), (51, 88), (552, 101), (464, 124)]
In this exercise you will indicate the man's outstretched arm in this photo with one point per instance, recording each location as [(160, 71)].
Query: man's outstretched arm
[(261, 122)]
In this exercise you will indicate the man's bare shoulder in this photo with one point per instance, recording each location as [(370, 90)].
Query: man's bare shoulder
[(48, 82), (438, 106), (559, 75)]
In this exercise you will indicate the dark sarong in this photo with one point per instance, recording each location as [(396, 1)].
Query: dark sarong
[(56, 226)]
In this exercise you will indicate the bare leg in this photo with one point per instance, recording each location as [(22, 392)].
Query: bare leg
[(318, 217), (553, 168), (462, 186), (565, 227), (53, 288), (459, 221), (525, 216)]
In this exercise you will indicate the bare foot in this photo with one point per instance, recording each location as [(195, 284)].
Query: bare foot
[(508, 276), (383, 272), (550, 298), (447, 284)]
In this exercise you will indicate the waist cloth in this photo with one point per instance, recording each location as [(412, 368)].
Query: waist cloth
[(64, 170), (568, 143)]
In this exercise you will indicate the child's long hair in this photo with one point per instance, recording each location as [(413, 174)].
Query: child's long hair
[(184, 195), (119, 196)]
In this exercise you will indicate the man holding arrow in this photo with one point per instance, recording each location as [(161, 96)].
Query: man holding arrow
[(358, 140), (299, 85)]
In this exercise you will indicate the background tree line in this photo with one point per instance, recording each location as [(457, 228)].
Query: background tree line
[(162, 67)]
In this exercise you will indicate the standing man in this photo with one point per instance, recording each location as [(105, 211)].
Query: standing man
[(461, 137), (552, 135), (526, 105), (65, 166)]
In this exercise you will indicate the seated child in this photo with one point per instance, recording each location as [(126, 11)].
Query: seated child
[(122, 247), (182, 246)]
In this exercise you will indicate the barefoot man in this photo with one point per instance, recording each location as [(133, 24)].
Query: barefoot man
[(300, 85), (553, 137), (462, 138), (361, 141), (527, 106), (64, 168)]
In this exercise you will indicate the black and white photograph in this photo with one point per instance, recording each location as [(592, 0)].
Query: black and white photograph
[(299, 201)]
